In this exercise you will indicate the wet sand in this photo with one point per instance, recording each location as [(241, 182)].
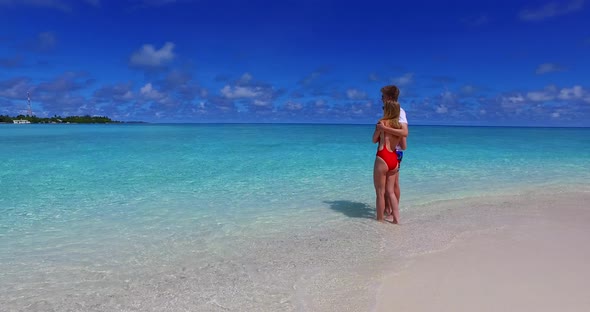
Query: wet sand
[(531, 264)]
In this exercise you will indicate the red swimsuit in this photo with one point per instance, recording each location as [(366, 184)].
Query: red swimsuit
[(390, 158)]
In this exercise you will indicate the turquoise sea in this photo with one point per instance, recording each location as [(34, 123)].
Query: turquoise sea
[(238, 217)]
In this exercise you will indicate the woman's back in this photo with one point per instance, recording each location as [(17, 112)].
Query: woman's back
[(387, 140)]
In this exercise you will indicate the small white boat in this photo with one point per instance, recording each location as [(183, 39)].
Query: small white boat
[(21, 121)]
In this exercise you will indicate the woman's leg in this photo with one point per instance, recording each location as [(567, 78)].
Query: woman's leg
[(379, 180), (391, 196), (388, 206), (388, 210), (396, 188)]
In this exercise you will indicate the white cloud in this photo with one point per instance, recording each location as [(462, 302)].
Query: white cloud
[(404, 80), (515, 99), (549, 68), (261, 103), (121, 92), (320, 103), (547, 94), (513, 103), (360, 108), (292, 106), (148, 92), (551, 88), (256, 96), (468, 89), (127, 96), (355, 94), (67, 82), (148, 56), (245, 79), (374, 77), (573, 93), (540, 96), (442, 109), (238, 92), (551, 9), (15, 88), (448, 96), (552, 93), (200, 108)]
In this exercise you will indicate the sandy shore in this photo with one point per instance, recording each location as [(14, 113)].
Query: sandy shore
[(539, 264)]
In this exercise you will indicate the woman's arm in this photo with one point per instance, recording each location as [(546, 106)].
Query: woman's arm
[(403, 132), (376, 133)]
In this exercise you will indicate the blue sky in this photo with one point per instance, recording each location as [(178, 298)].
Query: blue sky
[(456, 62)]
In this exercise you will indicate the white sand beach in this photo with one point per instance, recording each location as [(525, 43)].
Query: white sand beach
[(536, 262)]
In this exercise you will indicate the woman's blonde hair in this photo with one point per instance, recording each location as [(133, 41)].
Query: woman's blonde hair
[(391, 107)]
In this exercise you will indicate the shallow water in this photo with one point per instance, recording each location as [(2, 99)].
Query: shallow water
[(240, 217)]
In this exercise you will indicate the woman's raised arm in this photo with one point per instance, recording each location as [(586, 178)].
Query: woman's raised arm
[(376, 133), (403, 132)]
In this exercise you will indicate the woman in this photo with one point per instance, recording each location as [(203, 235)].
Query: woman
[(386, 162)]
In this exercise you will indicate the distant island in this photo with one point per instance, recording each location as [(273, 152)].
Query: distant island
[(57, 119)]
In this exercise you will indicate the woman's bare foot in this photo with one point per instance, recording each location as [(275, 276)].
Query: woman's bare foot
[(388, 212)]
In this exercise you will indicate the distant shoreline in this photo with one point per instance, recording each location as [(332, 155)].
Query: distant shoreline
[(360, 124), (82, 123), (86, 119), (305, 124)]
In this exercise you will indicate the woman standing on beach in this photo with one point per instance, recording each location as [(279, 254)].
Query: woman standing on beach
[(386, 162), (399, 149)]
